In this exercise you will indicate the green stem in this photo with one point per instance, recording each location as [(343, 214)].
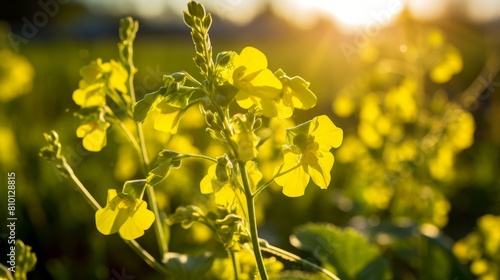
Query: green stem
[(131, 139), (160, 234), (200, 157), (150, 260), (252, 221), (236, 263), (192, 79), (80, 187)]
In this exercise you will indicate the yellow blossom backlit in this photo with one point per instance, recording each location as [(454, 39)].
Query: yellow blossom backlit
[(309, 157), (124, 214), (98, 78), (93, 133), (257, 85)]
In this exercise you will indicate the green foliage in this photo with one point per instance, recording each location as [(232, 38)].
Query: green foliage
[(345, 250), (135, 188), (188, 267), (165, 161)]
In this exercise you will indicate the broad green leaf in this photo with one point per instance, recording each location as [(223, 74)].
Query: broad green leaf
[(166, 160), (141, 108), (346, 250), (158, 174), (135, 188), (406, 242), (177, 99), (188, 267)]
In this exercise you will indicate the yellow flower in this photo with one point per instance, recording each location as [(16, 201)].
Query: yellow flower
[(227, 192), (124, 214), (257, 85), (295, 94), (93, 133), (247, 144), (16, 75), (99, 77), (307, 155)]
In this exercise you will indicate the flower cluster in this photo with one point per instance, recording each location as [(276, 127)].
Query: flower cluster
[(99, 81), (275, 94)]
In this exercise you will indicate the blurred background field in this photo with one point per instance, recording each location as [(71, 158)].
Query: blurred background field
[(347, 63)]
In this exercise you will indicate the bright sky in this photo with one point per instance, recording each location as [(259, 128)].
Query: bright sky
[(304, 13)]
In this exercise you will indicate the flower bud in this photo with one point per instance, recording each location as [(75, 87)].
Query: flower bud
[(223, 169)]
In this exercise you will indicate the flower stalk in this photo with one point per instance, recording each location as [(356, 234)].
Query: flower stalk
[(252, 221)]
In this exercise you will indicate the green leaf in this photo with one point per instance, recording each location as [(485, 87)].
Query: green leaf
[(188, 267), (135, 188), (225, 94), (143, 107), (177, 99), (185, 216), (346, 250), (437, 261), (196, 9), (207, 22), (25, 260), (158, 174), (166, 160), (188, 19)]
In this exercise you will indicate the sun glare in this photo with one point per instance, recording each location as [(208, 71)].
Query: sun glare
[(353, 13)]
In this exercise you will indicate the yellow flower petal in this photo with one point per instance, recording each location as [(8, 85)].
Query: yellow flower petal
[(320, 172), (252, 59), (325, 132), (118, 77), (295, 179), (301, 96), (90, 95), (244, 100), (266, 85), (93, 71), (255, 82), (206, 182), (225, 196), (110, 219), (93, 134), (284, 111), (136, 223), (254, 174)]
